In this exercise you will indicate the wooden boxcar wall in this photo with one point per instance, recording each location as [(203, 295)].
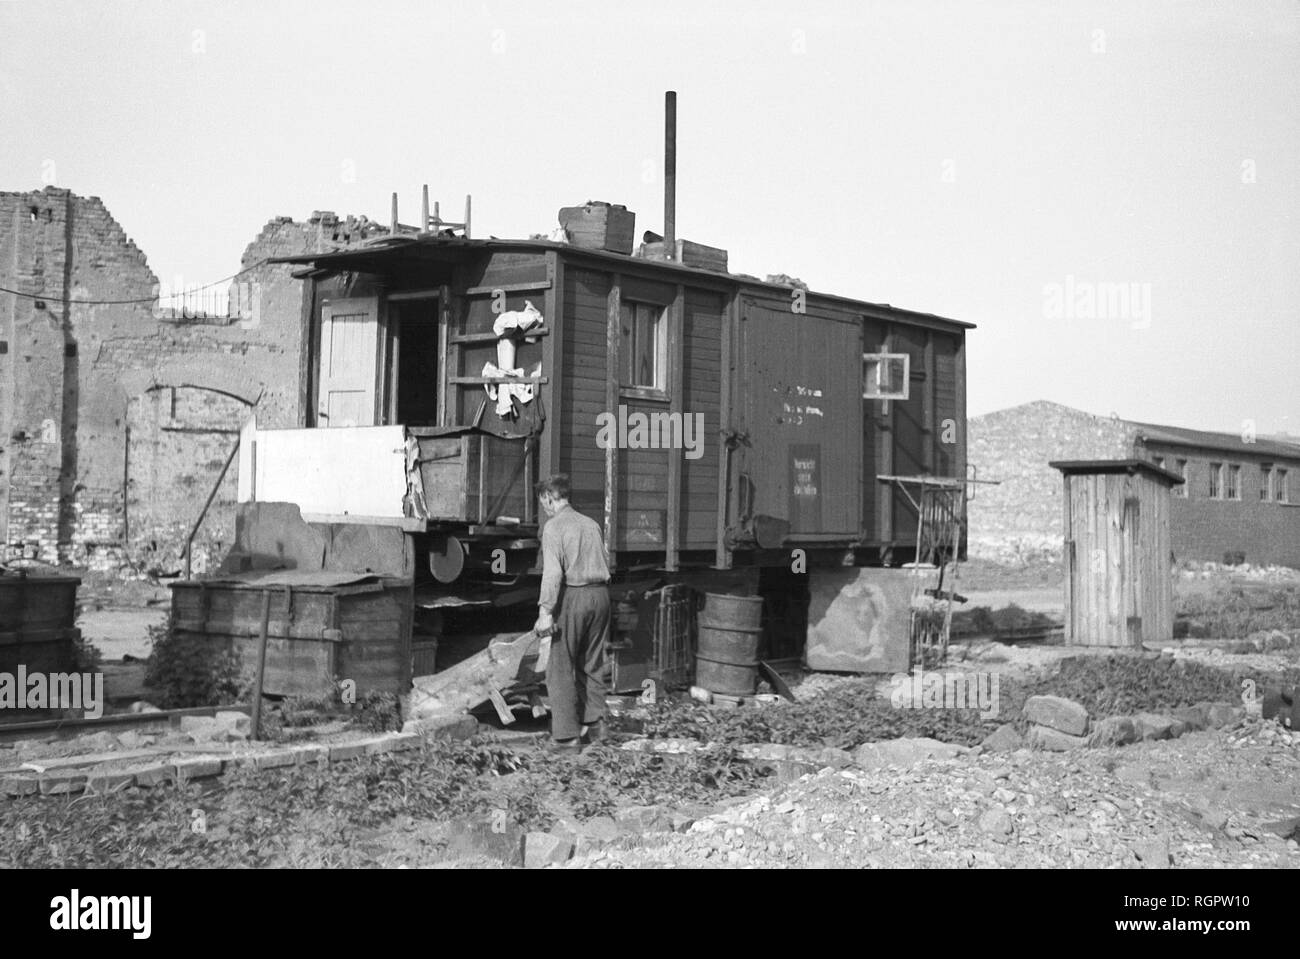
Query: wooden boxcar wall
[(922, 435), (589, 374)]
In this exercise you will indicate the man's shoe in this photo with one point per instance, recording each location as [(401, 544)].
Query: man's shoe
[(568, 747), (595, 733)]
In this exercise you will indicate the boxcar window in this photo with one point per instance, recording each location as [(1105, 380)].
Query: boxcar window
[(645, 346), (885, 376)]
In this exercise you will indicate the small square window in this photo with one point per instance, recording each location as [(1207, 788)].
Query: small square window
[(885, 376), (644, 346)]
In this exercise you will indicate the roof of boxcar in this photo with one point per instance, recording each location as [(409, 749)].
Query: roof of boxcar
[(381, 253)]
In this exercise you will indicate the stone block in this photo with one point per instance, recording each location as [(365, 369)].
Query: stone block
[(1151, 726), (1004, 739), (197, 767), (58, 782), (903, 752), (1045, 737), (1056, 712), (544, 849), (1113, 731)]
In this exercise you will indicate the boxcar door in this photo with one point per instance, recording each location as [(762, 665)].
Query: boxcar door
[(349, 363), (802, 401)]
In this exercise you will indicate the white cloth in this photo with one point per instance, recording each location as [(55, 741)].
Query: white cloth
[(503, 393), (517, 320)]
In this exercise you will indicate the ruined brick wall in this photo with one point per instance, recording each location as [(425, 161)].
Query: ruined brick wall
[(1020, 519), (116, 419)]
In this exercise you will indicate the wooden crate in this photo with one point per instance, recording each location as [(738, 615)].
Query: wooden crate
[(690, 254), (37, 613), (324, 628), (600, 226)]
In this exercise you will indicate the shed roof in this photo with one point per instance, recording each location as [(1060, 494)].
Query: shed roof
[(1076, 467), (384, 253)]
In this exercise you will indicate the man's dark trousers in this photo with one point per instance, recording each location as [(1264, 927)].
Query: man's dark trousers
[(573, 675)]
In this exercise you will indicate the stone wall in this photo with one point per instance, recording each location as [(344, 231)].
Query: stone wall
[(1021, 519)]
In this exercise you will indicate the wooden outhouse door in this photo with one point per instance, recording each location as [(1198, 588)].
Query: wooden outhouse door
[(349, 363)]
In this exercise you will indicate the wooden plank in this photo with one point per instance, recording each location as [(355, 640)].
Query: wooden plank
[(206, 629), (525, 287), (959, 391), (496, 380), (407, 523), (613, 373), (555, 305), (306, 353), (885, 420), (677, 373), (402, 296), (444, 336), (929, 426), (492, 337), (1067, 557)]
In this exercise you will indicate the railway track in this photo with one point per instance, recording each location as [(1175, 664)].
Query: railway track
[(162, 721)]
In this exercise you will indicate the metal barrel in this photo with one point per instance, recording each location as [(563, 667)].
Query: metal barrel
[(726, 658)]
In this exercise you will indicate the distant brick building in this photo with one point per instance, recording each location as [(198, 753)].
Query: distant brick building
[(117, 416), (1242, 494)]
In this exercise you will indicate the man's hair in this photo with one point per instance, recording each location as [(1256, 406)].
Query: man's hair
[(557, 486)]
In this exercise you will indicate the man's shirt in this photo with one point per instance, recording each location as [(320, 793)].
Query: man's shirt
[(573, 553)]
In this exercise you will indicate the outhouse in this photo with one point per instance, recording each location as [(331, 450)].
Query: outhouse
[(1117, 556)]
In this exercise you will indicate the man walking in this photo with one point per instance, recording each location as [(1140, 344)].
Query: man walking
[(574, 574)]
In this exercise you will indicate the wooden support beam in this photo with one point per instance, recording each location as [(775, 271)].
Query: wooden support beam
[(930, 431), (444, 338), (730, 339), (527, 287), (613, 312), (886, 458), (552, 364), (401, 295), (676, 373)]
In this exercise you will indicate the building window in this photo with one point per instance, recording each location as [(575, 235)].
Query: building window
[(1279, 486), (1232, 485), (1180, 467), (885, 376), (1159, 461), (644, 329), (1215, 488), (1265, 482)]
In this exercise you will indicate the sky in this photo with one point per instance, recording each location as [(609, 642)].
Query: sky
[(1108, 190)]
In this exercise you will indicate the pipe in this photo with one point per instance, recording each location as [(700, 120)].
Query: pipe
[(670, 175)]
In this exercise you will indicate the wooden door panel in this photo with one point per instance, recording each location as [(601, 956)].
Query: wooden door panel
[(349, 354)]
